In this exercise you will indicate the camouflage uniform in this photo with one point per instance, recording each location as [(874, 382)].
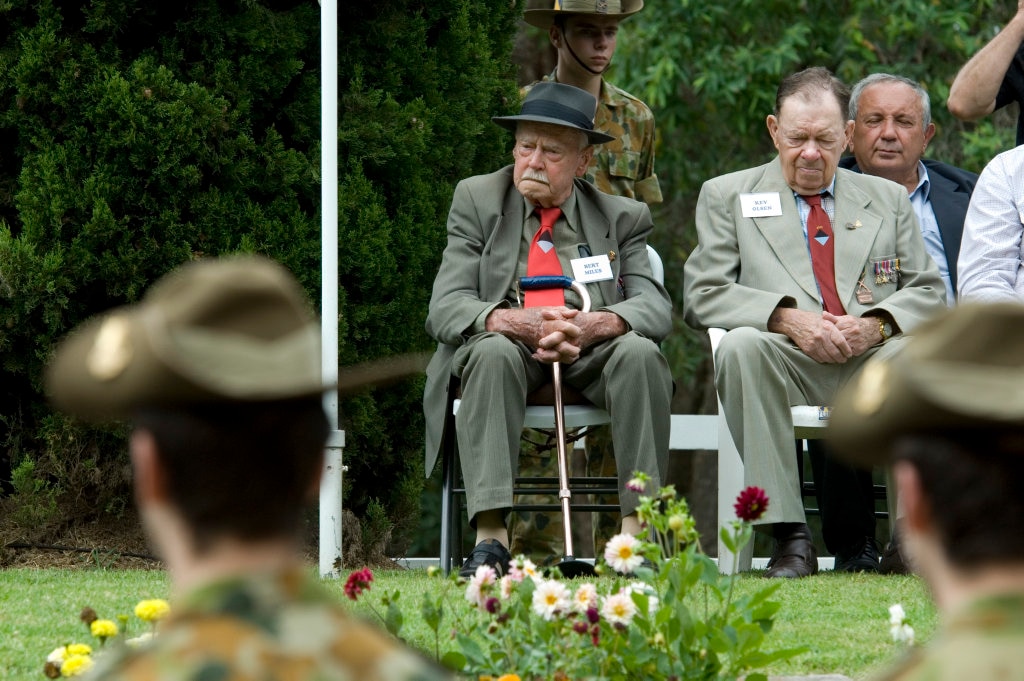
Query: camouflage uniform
[(624, 167), (984, 640), (276, 627)]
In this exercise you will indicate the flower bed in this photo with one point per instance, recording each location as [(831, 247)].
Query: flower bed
[(636, 620)]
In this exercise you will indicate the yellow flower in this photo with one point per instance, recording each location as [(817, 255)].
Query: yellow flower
[(103, 629), (152, 610), (76, 665), (78, 649), (509, 677)]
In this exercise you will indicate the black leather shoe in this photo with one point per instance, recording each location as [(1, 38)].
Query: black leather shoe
[(488, 552), (859, 557), (794, 555), (892, 562)]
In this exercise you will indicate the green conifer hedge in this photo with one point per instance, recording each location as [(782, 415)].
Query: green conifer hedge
[(137, 135)]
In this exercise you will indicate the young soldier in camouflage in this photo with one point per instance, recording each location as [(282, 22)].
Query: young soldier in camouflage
[(584, 33), (218, 370)]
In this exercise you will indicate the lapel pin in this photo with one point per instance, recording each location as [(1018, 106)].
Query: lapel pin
[(853, 225), (611, 256)]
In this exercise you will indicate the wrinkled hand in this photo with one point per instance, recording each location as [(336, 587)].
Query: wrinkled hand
[(559, 336), (556, 334), (860, 333), (819, 338)]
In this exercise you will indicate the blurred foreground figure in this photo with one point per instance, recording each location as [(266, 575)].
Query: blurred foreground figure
[(948, 415), (218, 369)]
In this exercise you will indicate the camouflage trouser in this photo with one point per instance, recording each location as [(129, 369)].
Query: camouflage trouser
[(539, 534)]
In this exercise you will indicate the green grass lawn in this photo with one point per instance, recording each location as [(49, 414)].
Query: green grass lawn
[(842, 618)]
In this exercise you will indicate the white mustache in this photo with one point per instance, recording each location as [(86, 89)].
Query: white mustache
[(535, 175)]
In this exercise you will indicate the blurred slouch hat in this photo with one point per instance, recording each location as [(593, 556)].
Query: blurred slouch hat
[(233, 329), (963, 370)]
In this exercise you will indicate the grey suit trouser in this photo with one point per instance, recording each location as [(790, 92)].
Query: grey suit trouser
[(627, 375), (759, 376)]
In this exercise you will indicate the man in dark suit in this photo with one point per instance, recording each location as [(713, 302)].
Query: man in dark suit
[(891, 131), (813, 270), (500, 350)]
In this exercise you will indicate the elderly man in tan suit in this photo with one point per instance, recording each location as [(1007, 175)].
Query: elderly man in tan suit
[(501, 350), (813, 270)]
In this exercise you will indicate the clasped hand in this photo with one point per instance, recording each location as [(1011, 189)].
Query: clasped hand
[(832, 339), (558, 339)]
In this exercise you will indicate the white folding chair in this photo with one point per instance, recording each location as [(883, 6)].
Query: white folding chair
[(809, 423)]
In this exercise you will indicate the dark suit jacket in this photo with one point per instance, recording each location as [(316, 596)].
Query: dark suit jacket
[(950, 193), (485, 226)]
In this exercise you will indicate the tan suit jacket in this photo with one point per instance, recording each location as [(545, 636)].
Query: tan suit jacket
[(744, 267)]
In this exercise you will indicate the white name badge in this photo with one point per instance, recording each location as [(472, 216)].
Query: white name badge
[(761, 205), (587, 270)]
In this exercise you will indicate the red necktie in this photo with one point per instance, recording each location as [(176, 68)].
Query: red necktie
[(823, 256), (543, 260)]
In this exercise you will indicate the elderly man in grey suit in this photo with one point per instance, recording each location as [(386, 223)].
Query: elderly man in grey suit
[(499, 350), (813, 270)]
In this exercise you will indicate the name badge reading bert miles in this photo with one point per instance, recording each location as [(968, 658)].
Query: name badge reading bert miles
[(588, 270), (761, 205)]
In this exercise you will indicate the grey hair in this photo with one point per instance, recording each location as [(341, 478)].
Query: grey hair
[(875, 78)]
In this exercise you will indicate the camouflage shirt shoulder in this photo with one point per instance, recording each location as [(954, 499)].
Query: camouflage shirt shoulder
[(267, 628), (624, 166), (983, 641)]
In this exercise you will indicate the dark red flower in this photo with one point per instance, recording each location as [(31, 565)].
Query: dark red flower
[(358, 582), (751, 504)]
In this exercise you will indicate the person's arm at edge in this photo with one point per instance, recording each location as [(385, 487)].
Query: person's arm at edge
[(975, 88)]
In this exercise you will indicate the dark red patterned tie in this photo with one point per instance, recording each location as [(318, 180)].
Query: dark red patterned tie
[(823, 255), (543, 260)]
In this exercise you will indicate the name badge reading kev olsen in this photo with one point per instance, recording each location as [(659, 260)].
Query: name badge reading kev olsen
[(761, 205), (596, 268)]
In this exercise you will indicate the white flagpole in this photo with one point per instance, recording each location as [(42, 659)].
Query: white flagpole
[(330, 484)]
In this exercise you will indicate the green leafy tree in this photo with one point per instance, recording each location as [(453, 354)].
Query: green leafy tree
[(710, 70)]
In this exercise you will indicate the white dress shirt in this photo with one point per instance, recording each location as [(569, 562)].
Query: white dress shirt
[(990, 265)]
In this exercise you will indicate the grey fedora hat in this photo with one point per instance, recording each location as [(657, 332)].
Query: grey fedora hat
[(558, 104), (542, 13)]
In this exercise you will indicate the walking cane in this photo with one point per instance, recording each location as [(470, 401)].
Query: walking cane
[(569, 566)]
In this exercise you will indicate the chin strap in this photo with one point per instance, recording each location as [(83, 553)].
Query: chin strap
[(580, 61)]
